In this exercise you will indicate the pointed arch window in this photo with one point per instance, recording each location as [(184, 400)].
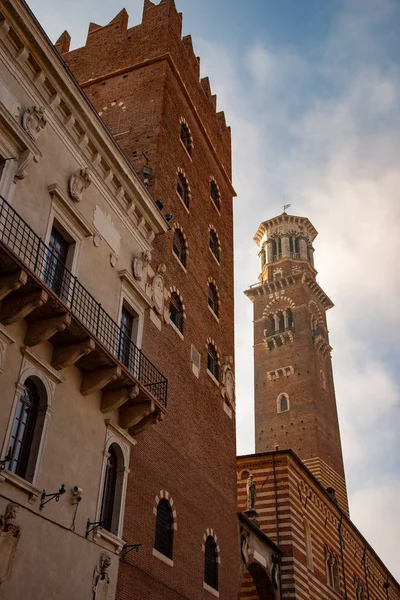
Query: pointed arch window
[(182, 188), (211, 563), (176, 311), (179, 246), (214, 244), (164, 528), (332, 570), (213, 301), (214, 193), (186, 138), (212, 361), (23, 446)]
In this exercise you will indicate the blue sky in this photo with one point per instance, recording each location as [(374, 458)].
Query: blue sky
[(311, 89)]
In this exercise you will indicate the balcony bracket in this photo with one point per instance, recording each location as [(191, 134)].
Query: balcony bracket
[(151, 419), (15, 309), (11, 282), (96, 380), (68, 354), (41, 331), (115, 398), (132, 415)]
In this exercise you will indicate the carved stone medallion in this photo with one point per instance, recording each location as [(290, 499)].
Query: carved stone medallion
[(79, 182), (139, 265), (9, 538), (228, 382), (158, 289), (33, 121)]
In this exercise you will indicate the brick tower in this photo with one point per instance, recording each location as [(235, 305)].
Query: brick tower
[(295, 405), (144, 83)]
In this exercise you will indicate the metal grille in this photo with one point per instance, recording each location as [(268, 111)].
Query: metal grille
[(176, 311), (164, 531), (110, 481), (16, 234), (212, 361), (211, 563), (23, 429)]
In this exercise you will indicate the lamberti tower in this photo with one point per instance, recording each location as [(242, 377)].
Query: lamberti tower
[(295, 405)]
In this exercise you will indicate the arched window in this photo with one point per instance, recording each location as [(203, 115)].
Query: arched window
[(308, 543), (108, 500), (214, 244), (213, 298), (270, 325), (332, 570), (179, 246), (211, 563), (164, 528), (214, 193), (290, 319), (297, 247), (176, 311), (23, 445), (212, 361), (322, 378), (283, 403), (182, 189), (186, 138), (276, 249)]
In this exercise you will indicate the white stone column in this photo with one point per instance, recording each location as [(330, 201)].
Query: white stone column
[(269, 251), (303, 249), (286, 319), (276, 321)]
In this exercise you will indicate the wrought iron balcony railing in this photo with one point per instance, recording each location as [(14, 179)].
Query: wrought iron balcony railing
[(18, 236)]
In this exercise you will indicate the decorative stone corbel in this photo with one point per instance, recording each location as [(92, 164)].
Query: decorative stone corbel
[(101, 578), (139, 264), (24, 159), (158, 289), (9, 537), (79, 182), (228, 382), (34, 120)]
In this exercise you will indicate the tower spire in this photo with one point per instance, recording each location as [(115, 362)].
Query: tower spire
[(295, 405)]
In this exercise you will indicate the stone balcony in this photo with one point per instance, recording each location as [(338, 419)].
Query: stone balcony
[(36, 287)]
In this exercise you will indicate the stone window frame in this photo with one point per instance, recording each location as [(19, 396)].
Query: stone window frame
[(117, 437), (217, 206), (177, 227), (6, 338), (322, 379), (9, 169), (32, 366), (175, 290), (210, 533), (212, 282), (130, 300), (181, 173), (164, 494), (211, 342), (184, 123), (278, 402), (217, 259)]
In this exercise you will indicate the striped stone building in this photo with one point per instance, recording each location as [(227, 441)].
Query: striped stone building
[(301, 503)]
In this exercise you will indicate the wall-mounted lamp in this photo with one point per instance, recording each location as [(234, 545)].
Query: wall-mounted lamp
[(55, 495), (168, 217)]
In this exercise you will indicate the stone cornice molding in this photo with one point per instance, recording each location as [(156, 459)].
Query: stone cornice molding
[(67, 206)]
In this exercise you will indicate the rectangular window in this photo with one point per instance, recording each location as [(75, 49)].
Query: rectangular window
[(128, 352), (56, 275)]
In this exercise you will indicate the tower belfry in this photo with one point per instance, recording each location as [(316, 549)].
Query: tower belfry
[(295, 405)]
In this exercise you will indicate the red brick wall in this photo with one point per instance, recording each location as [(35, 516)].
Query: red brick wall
[(191, 454)]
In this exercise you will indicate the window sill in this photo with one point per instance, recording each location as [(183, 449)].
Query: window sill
[(183, 204), (32, 491), (213, 313), (215, 380), (186, 150), (174, 327), (210, 589), (113, 539), (163, 558), (182, 266)]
